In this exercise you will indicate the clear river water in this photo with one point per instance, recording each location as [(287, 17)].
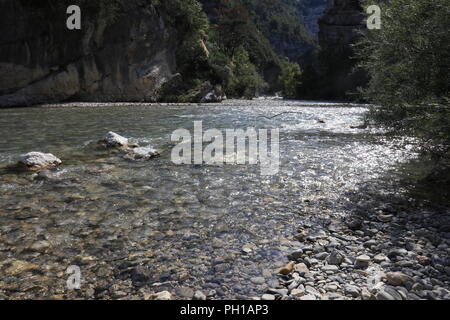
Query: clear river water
[(170, 226)]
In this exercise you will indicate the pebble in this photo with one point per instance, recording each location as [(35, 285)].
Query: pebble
[(383, 295), (281, 292), (268, 297), (385, 217), (294, 256), (301, 268), (297, 292), (362, 261), (199, 295), (321, 256), (397, 278), (287, 269), (330, 268), (258, 280), (335, 258), (425, 261), (163, 295), (393, 293), (379, 258), (397, 252), (312, 290), (308, 297), (351, 290), (19, 266), (40, 246), (185, 292)]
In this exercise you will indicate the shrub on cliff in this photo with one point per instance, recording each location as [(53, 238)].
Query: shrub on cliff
[(245, 80)]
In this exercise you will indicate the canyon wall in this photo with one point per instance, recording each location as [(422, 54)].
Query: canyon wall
[(125, 58), (338, 31)]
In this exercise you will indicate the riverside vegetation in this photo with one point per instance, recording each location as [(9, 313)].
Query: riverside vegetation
[(359, 209)]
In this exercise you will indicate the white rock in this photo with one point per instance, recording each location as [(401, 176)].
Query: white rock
[(39, 160), (297, 293), (114, 140), (308, 297), (163, 295), (144, 153), (199, 295), (268, 297)]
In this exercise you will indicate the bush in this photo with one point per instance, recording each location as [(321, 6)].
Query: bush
[(290, 80), (408, 64), (245, 81)]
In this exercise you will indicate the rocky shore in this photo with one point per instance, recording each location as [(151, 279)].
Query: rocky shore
[(388, 255), (384, 256)]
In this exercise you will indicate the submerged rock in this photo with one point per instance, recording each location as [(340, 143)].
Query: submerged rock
[(19, 266), (132, 151), (142, 153), (38, 161)]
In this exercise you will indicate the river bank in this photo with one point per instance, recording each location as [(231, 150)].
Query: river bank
[(339, 209)]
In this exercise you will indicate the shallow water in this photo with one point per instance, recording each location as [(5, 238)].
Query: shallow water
[(186, 224)]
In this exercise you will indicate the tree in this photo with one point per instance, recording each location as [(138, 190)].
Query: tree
[(246, 81), (408, 63), (291, 80), (233, 25)]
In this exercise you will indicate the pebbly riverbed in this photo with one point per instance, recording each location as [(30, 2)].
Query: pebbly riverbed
[(337, 222)]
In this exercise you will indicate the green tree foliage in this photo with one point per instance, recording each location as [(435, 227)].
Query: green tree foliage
[(408, 62), (291, 80), (245, 81)]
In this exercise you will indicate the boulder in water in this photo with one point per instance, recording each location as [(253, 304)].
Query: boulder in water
[(142, 153), (38, 161), (113, 140), (131, 151)]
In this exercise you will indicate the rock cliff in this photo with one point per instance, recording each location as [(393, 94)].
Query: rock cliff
[(127, 57), (339, 25), (338, 31)]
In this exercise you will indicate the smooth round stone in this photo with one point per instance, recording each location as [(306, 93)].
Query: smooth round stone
[(362, 261), (199, 295), (308, 297), (258, 280), (330, 268), (379, 258), (351, 290), (268, 297)]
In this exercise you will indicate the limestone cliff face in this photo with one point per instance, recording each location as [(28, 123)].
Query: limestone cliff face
[(128, 59), (338, 31), (339, 25)]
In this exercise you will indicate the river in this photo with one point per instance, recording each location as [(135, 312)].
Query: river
[(147, 226)]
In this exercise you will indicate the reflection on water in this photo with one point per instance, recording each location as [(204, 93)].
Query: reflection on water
[(186, 224)]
